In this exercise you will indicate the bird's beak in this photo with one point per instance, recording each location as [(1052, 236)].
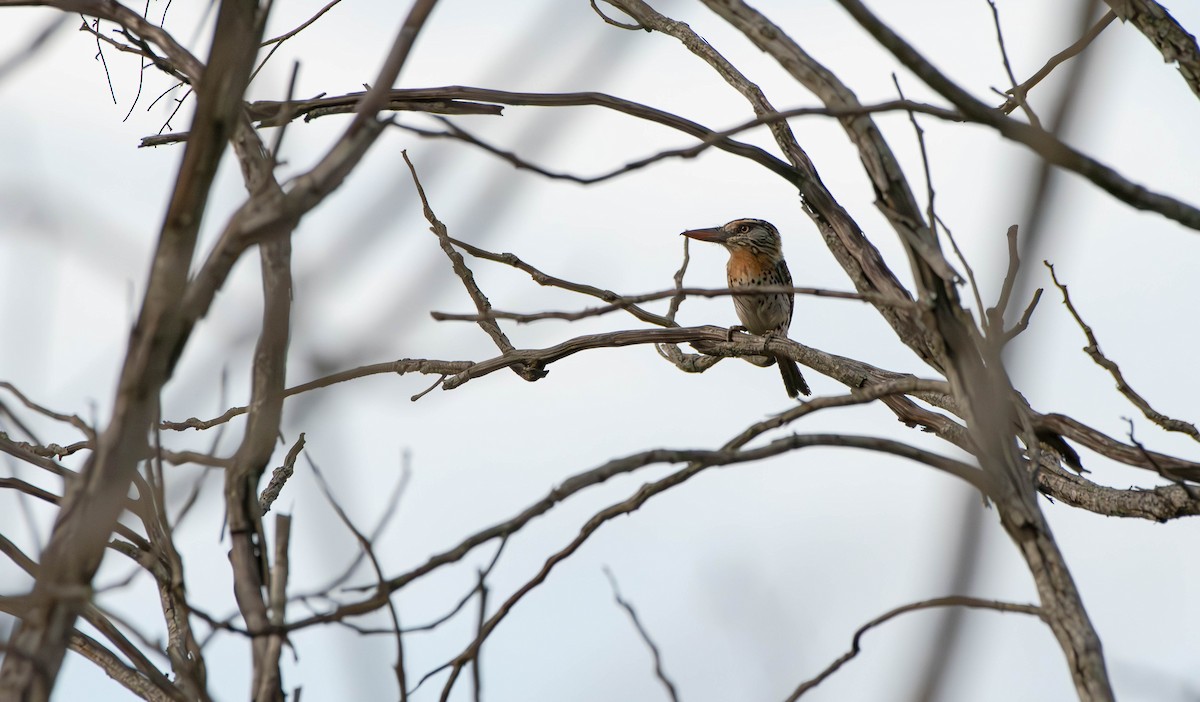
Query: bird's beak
[(716, 234)]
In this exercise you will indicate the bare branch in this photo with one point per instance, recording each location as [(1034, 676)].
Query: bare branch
[(369, 551), (645, 636), (953, 601), (482, 304), (1174, 42), (1093, 350), (72, 419), (1023, 323), (621, 25), (465, 598), (1159, 504), (401, 367), (304, 25), (1177, 468), (1018, 92)]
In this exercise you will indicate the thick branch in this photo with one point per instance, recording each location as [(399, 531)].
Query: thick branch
[(1174, 42)]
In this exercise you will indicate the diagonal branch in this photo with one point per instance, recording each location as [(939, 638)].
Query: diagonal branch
[(482, 305), (1123, 386), (644, 635)]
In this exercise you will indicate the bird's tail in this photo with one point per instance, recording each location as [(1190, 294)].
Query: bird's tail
[(792, 380)]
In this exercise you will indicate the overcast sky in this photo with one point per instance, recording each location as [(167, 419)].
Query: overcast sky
[(750, 578)]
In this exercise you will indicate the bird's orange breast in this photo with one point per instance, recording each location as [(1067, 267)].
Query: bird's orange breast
[(745, 268)]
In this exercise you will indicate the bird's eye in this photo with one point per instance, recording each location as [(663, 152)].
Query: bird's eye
[(744, 228)]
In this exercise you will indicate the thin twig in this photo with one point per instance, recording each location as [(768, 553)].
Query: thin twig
[(400, 367), (476, 666), (645, 636), (1023, 323), (621, 25), (963, 260), (1191, 489), (1019, 92), (676, 301), (291, 91), (465, 598), (304, 25), (625, 302), (72, 419), (368, 550)]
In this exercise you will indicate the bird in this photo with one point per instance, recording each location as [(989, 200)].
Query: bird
[(756, 259)]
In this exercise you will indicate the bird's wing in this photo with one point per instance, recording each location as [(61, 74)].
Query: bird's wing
[(786, 276)]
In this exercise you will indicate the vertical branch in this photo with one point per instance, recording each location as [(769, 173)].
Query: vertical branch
[(241, 498), (277, 592), (982, 387), (187, 660), (476, 664), (94, 501)]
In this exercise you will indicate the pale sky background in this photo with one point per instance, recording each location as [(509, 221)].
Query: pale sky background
[(752, 578)]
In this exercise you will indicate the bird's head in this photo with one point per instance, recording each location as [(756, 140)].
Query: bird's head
[(754, 236)]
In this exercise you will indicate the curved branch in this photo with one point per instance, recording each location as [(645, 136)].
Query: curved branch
[(953, 601)]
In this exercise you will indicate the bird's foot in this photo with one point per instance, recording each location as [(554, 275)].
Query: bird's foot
[(767, 340), (735, 328)]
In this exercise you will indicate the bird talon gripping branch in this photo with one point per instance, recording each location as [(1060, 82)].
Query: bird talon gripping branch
[(756, 260)]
